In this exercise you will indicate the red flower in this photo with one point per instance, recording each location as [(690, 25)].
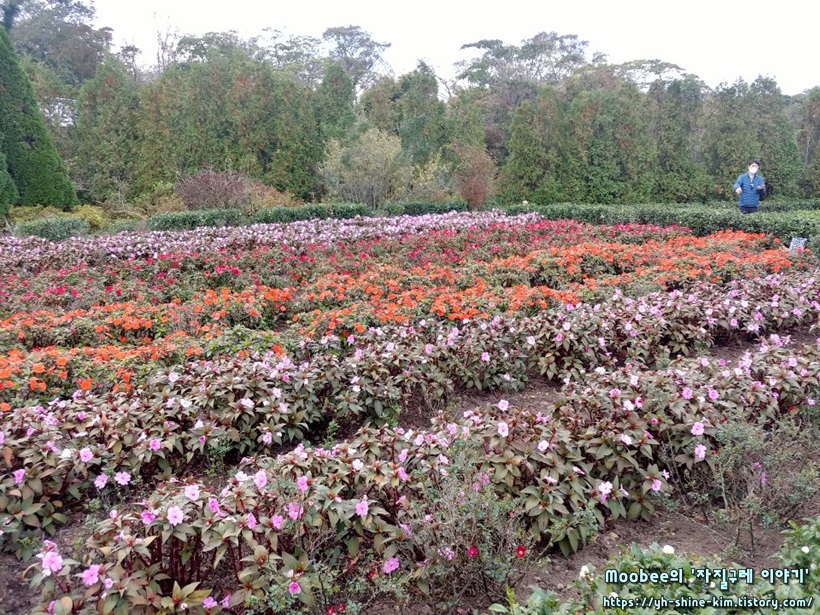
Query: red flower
[(521, 551), (472, 552), (371, 574)]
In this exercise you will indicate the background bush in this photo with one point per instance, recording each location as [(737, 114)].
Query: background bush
[(54, 229)]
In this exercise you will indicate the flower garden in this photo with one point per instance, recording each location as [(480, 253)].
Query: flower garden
[(228, 404)]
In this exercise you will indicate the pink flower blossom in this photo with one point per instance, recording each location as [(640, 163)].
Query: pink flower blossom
[(52, 562), (700, 452), (101, 481), (605, 489), (91, 575), (260, 479), (108, 583), (122, 478), (86, 455), (295, 511), (559, 338), (687, 393), (294, 588), (625, 439), (213, 505), (2, 438), (713, 394), (697, 429), (154, 444), (656, 485), (302, 483), (390, 565), (267, 437), (226, 601), (362, 507), (485, 357), (543, 445), (175, 516), (503, 429), (192, 492), (503, 405), (209, 603), (276, 521), (402, 473), (147, 517), (251, 521), (19, 475)]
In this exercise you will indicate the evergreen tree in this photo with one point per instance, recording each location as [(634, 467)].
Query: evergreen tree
[(8, 191), (334, 103), (106, 132), (33, 162)]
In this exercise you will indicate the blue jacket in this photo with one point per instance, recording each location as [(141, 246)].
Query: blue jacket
[(750, 195)]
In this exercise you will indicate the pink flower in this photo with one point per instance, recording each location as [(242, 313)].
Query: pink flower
[(559, 338), (687, 393), (362, 507), (403, 455), (578, 470), (267, 438), (503, 405), (91, 575), (485, 357), (260, 479), (226, 601), (402, 473), (605, 489), (472, 552), (86, 455), (625, 439), (209, 603), (52, 562), (154, 444), (147, 517), (295, 511), (108, 583), (390, 565), (175, 516), (697, 429), (713, 394), (656, 485), (503, 429), (19, 475), (192, 492), (251, 521), (122, 478), (763, 478), (276, 521), (543, 445), (2, 438), (294, 588), (700, 452), (101, 481), (302, 483)]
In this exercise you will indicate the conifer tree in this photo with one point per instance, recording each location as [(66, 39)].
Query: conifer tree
[(32, 160)]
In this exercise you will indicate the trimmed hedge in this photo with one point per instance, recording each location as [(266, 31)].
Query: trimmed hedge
[(188, 220), (54, 229)]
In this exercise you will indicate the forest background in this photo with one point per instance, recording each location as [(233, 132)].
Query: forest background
[(283, 119)]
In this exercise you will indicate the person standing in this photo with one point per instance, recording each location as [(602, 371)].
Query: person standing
[(749, 187)]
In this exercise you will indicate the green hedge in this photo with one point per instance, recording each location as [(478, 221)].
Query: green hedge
[(187, 220), (55, 229)]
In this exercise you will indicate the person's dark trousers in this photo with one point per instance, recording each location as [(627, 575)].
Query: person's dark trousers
[(748, 210)]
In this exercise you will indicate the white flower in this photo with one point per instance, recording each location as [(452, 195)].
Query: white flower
[(805, 549), (584, 571), (669, 550)]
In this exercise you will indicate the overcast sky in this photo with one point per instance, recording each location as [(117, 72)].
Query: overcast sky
[(718, 41)]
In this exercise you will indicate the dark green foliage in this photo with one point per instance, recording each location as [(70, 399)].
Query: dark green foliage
[(187, 220), (8, 191), (106, 133), (334, 103), (420, 114), (229, 113), (54, 229), (31, 158)]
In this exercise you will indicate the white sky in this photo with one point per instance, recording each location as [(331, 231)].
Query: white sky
[(718, 41)]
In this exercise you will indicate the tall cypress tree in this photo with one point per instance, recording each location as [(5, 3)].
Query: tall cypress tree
[(8, 191), (32, 160)]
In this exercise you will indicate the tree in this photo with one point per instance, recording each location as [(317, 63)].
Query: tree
[(677, 106), (421, 125), (779, 153), (106, 132), (371, 170), (297, 56), (809, 140), (33, 162), (59, 34), (8, 191), (334, 103), (357, 53)]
